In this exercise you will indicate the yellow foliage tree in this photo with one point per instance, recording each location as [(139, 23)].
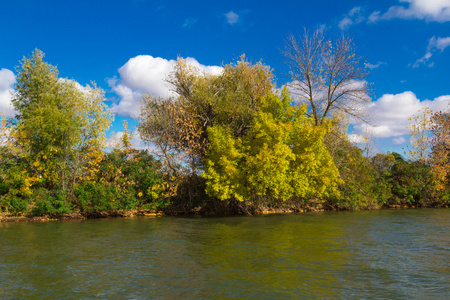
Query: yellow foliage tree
[(440, 149), (420, 124), (282, 155)]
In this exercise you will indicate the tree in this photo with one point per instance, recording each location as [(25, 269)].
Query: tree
[(327, 76), (176, 137), (178, 126), (59, 126), (95, 121), (6, 159), (430, 141), (247, 139), (282, 156), (419, 128), (412, 182), (440, 149)]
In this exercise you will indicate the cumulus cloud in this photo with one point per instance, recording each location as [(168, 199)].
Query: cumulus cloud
[(7, 80), (428, 10), (433, 45), (357, 138), (392, 113), (232, 17), (145, 74), (354, 16)]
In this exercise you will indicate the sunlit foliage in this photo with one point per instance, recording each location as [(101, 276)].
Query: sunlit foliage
[(281, 155)]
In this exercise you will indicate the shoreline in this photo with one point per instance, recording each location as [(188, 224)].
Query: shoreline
[(196, 212), (4, 217)]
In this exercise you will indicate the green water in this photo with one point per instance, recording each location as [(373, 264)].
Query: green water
[(375, 254)]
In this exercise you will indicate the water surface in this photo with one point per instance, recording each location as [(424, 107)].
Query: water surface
[(395, 254)]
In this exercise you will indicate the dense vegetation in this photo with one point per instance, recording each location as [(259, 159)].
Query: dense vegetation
[(227, 143)]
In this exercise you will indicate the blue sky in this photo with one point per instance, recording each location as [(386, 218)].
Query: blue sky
[(127, 47)]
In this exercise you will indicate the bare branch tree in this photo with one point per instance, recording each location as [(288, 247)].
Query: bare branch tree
[(327, 76)]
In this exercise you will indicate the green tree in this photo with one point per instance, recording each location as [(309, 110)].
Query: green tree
[(95, 121), (178, 126), (59, 126), (282, 155), (246, 138), (412, 182)]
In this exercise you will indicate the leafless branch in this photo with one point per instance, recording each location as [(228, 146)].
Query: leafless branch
[(327, 76)]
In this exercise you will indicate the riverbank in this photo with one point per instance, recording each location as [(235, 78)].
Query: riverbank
[(5, 217), (209, 209)]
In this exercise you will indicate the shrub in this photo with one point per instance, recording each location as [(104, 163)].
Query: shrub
[(100, 196), (46, 202)]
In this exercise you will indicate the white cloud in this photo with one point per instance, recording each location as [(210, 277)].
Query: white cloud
[(137, 141), (355, 11), (433, 45), (428, 10), (345, 23), (146, 74), (7, 80), (232, 17), (399, 140), (322, 28), (84, 89), (357, 138), (375, 16), (393, 111), (374, 66), (354, 16), (443, 43), (189, 22)]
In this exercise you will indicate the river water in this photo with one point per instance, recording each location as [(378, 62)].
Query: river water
[(395, 254)]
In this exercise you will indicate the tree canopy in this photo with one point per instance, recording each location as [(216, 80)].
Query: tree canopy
[(282, 155), (244, 136), (60, 128)]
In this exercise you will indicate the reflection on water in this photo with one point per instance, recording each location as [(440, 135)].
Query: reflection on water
[(373, 254)]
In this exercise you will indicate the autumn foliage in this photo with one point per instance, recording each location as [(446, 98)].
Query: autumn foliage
[(230, 140), (52, 152)]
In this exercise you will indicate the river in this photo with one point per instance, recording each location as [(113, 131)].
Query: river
[(394, 254)]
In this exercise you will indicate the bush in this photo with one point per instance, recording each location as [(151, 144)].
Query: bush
[(412, 183), (134, 173), (99, 196), (50, 203), (13, 202), (4, 188)]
